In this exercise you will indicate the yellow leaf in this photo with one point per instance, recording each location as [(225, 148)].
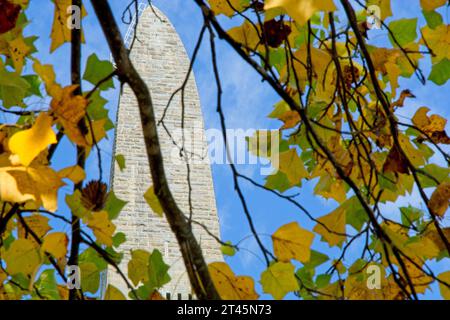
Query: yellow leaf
[(226, 7), (18, 50), (102, 227), (21, 184), (22, 257), (393, 72), (55, 244), (229, 286), (153, 201), (112, 293), (61, 31), (440, 198), (292, 166), (438, 39), (279, 279), (47, 75), (430, 5), (445, 291), (37, 223), (75, 173), (138, 266), (334, 223), (292, 242), (27, 144), (300, 10), (247, 35), (69, 110)]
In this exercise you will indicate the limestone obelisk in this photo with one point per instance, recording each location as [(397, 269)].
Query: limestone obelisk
[(161, 59)]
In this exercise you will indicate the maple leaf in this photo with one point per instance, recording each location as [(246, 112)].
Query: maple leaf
[(300, 10)]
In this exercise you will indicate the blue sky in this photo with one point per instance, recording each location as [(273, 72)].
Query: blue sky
[(247, 102)]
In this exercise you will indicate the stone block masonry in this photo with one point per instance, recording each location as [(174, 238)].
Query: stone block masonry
[(161, 59)]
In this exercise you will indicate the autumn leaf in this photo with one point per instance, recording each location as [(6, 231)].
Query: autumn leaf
[(300, 10), (27, 144), (440, 198), (445, 290), (18, 50), (61, 31), (21, 184), (37, 223), (292, 166), (429, 5), (48, 76), (22, 257), (247, 35), (396, 162), (74, 173), (137, 266), (229, 286), (226, 7), (102, 227), (112, 293), (292, 242), (332, 226), (69, 110), (433, 126), (279, 279), (153, 201), (55, 244)]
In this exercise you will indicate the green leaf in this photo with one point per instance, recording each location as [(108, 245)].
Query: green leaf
[(279, 279), (138, 266), (74, 203), (97, 70), (410, 215), (157, 270), (35, 82), (91, 256), (97, 111), (356, 215), (440, 72), (433, 18), (118, 239), (120, 159), (317, 258), (153, 201), (13, 88), (90, 277), (323, 280), (47, 286), (404, 30), (228, 250), (114, 205)]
